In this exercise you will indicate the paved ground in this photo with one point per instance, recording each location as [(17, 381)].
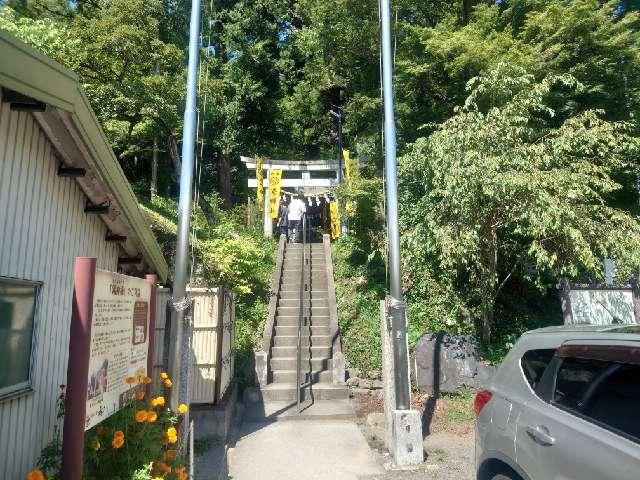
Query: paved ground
[(310, 450), (449, 457), (336, 448)]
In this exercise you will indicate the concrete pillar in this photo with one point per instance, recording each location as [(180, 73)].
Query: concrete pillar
[(388, 377), (403, 428)]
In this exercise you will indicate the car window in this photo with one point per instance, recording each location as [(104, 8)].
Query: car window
[(605, 392), (574, 377), (615, 403), (534, 363)]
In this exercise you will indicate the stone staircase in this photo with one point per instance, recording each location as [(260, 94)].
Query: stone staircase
[(317, 376)]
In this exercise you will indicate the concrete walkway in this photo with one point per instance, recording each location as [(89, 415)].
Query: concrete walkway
[(309, 450)]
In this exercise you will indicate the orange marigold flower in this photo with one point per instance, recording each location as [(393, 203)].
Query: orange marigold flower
[(172, 439), (140, 395), (171, 455), (130, 380), (182, 408), (146, 380), (172, 432), (117, 442), (168, 383), (152, 417), (159, 401), (141, 416), (36, 475), (164, 375), (118, 433)]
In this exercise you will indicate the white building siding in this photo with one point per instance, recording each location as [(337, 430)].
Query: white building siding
[(43, 227)]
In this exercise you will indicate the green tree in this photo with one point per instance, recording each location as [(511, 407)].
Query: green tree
[(499, 188)]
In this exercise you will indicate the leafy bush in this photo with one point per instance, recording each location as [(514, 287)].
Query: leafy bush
[(359, 289), (226, 253)]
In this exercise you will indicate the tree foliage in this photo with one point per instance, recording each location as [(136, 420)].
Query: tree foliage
[(499, 189), (517, 122)]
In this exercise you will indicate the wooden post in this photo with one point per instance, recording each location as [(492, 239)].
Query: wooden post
[(565, 301), (635, 292), (84, 272), (153, 280), (219, 343)]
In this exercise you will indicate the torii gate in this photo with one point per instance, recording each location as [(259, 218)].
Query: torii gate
[(305, 182)]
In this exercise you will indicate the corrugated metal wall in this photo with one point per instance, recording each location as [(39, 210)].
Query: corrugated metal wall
[(43, 227)]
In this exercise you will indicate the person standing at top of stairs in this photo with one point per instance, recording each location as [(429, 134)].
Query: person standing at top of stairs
[(297, 209)]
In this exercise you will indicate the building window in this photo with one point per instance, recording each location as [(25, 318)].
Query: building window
[(18, 304)]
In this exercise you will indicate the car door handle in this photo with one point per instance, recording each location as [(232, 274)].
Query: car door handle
[(540, 434)]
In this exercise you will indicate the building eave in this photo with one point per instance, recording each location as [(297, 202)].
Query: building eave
[(27, 71)]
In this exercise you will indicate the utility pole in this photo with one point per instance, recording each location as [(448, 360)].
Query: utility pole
[(338, 116), (407, 426), (180, 355)]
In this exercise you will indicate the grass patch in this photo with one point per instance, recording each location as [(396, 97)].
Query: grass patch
[(458, 408)]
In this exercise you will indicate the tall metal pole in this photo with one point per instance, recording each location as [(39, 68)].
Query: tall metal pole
[(399, 322), (178, 366)]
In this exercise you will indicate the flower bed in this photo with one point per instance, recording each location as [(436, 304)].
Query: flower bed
[(142, 441)]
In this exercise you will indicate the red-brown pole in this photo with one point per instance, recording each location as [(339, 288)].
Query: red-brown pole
[(84, 277), (153, 280)]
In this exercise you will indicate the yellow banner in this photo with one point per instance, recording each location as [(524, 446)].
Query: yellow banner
[(347, 165), (259, 184), (335, 220), (275, 181)]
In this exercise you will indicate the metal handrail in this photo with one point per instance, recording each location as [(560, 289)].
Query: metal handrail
[(301, 310)]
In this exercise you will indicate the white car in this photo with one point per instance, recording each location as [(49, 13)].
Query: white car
[(564, 405)]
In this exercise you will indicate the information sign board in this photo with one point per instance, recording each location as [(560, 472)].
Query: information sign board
[(119, 343), (602, 306)]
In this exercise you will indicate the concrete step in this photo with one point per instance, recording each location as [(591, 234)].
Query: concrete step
[(315, 284), (281, 411), (295, 277), (312, 269), (289, 376), (290, 363), (310, 259), (323, 351), (291, 247), (295, 293), (295, 311), (292, 340), (293, 331), (287, 392), (295, 302), (291, 320)]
